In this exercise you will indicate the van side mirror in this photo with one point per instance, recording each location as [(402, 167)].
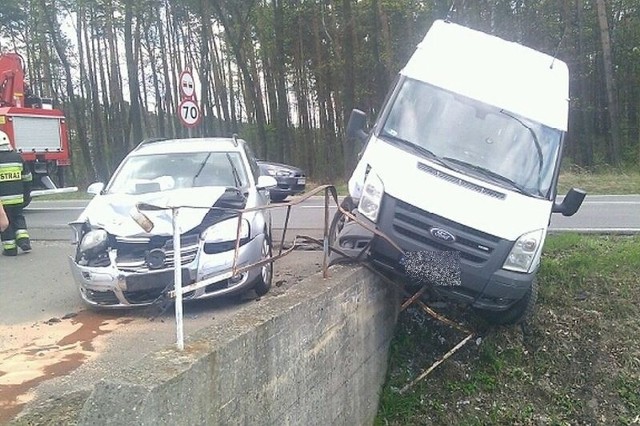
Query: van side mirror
[(356, 125), (571, 202)]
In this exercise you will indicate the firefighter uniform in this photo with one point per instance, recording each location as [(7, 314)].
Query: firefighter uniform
[(15, 191)]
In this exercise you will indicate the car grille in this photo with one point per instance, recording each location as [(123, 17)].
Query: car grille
[(102, 297), (132, 252), (415, 225)]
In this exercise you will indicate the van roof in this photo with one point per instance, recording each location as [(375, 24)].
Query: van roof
[(505, 74)]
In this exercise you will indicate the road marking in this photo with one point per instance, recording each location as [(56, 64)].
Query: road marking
[(53, 208), (611, 202)]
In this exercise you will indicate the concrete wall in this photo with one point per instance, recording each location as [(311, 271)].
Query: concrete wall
[(316, 355)]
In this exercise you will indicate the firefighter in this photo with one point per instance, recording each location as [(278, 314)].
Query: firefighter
[(15, 193)]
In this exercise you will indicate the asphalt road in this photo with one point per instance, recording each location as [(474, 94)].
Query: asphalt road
[(599, 213), (50, 344)]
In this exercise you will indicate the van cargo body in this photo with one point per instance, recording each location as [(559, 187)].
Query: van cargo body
[(464, 157)]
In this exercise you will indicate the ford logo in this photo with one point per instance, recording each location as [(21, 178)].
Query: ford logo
[(443, 235)]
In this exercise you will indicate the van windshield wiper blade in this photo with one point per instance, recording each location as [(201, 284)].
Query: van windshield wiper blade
[(496, 177), (419, 149), (533, 135)]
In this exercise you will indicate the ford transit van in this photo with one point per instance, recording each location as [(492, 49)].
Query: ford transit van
[(464, 157)]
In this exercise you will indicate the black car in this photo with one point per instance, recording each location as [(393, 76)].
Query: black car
[(291, 180)]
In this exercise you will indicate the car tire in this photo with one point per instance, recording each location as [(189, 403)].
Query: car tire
[(518, 313), (278, 197), (263, 283)]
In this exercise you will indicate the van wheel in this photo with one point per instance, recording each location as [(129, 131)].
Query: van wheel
[(263, 283), (339, 219), (516, 314)]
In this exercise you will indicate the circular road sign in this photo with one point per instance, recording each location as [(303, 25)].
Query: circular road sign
[(187, 86), (189, 113)]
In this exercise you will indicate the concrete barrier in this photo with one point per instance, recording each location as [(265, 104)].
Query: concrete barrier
[(316, 355)]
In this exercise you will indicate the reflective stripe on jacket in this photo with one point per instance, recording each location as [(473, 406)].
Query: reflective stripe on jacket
[(15, 179)]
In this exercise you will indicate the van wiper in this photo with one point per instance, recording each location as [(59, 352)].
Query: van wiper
[(496, 177), (418, 149), (535, 141)]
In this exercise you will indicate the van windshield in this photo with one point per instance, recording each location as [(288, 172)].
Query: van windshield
[(474, 138)]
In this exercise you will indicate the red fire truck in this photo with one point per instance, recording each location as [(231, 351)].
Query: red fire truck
[(36, 130)]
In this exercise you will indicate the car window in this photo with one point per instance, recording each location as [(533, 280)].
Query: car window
[(161, 172), (253, 163)]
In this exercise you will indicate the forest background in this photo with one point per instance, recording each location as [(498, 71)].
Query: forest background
[(285, 74)]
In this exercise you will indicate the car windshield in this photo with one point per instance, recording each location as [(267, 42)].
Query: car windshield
[(140, 174), (475, 138)]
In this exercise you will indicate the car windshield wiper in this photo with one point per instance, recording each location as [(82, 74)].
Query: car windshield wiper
[(236, 175), (418, 149), (195, 177), (496, 177), (535, 141)]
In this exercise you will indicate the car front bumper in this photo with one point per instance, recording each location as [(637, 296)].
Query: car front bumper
[(111, 287), (289, 186)]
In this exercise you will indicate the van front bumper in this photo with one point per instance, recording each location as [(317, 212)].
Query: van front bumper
[(483, 283)]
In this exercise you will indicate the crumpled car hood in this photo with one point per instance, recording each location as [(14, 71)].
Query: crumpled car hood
[(113, 212)]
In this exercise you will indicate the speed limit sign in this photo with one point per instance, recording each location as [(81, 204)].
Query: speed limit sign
[(189, 112)]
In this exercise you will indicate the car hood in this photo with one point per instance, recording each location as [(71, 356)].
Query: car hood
[(115, 212)]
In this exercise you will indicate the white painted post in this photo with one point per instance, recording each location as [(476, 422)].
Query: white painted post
[(177, 278)]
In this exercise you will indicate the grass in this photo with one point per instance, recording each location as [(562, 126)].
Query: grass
[(602, 182), (577, 363)]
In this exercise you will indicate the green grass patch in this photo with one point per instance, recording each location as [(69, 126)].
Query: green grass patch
[(78, 195), (602, 182), (578, 362)]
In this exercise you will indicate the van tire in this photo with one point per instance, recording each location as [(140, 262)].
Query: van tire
[(518, 313), (339, 219)]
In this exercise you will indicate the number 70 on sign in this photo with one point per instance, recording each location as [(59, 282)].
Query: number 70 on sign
[(189, 113)]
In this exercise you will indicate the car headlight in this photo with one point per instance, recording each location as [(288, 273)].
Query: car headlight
[(273, 171), (94, 241), (371, 198), (226, 231), (525, 252)]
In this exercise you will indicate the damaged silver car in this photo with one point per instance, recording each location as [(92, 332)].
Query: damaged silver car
[(117, 264)]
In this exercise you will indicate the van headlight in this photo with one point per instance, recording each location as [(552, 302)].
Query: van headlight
[(226, 231), (371, 198), (525, 252), (94, 241)]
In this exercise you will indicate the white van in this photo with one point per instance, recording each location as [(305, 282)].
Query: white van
[(465, 157)]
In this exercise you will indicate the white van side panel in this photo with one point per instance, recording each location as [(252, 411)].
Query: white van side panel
[(528, 83), (506, 218)]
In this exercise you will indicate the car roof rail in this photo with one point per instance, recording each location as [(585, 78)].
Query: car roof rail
[(150, 140)]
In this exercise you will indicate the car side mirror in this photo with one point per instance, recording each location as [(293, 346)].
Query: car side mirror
[(95, 188), (356, 125), (571, 202), (266, 182)]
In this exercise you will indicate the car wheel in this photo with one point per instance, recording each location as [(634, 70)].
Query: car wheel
[(278, 197), (518, 313), (263, 283), (339, 219)]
